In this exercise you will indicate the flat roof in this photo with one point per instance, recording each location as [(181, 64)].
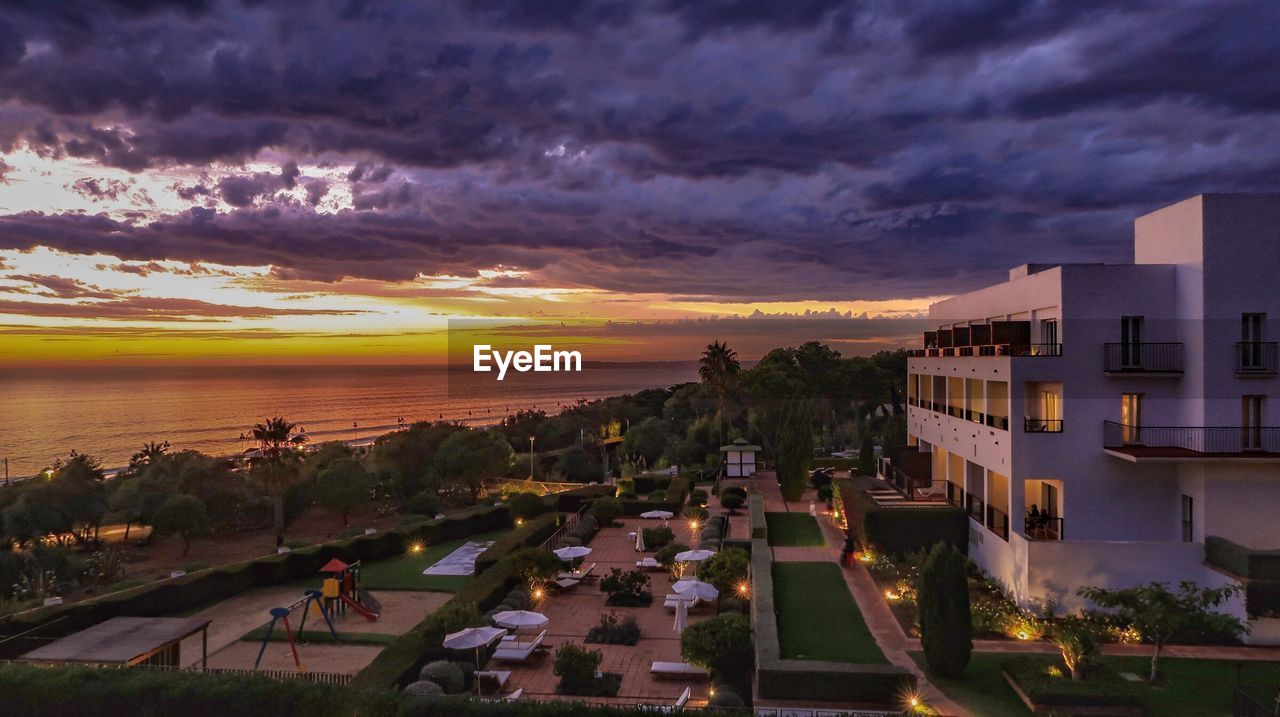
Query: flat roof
[(120, 640)]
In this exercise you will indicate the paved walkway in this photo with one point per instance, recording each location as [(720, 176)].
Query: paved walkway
[(889, 636)]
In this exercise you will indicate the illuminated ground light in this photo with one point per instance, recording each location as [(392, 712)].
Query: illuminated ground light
[(866, 557), (519, 522), (744, 589), (415, 548), (890, 595)]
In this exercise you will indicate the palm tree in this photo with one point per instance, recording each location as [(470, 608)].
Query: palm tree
[(719, 367), (149, 454), (276, 467)]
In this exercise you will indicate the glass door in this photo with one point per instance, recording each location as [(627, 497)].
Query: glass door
[(1251, 341), (1131, 342), (1131, 417), (1251, 421)]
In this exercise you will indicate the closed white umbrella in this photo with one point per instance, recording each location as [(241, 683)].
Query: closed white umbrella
[(704, 591), (693, 556), (572, 552), (655, 514), (682, 617), (640, 539), (516, 619), (473, 638)]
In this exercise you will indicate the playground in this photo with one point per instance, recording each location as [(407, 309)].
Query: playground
[(250, 629)]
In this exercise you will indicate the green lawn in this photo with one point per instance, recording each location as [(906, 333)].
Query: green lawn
[(794, 530), (1193, 688), (818, 618), (404, 572)]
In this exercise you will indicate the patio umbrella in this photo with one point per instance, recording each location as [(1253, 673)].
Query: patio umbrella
[(693, 556), (682, 617), (516, 619), (654, 514), (640, 539), (703, 591), (473, 637), (572, 552)]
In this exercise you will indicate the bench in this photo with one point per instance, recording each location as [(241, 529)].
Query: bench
[(675, 669)]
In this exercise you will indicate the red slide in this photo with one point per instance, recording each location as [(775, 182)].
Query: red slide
[(367, 613)]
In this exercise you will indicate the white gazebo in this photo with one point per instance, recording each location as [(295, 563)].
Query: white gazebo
[(739, 459)]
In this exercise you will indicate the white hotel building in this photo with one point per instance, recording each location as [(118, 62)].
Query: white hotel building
[(1135, 406)]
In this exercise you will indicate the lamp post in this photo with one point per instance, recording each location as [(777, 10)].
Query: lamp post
[(533, 457)]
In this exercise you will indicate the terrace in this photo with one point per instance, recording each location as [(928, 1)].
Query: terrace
[(1153, 444), (997, 338)]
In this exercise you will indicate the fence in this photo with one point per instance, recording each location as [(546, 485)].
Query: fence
[(324, 678), (569, 524)]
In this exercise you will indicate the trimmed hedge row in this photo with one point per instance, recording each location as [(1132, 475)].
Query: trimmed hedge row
[(1245, 562), (1102, 687), (400, 662), (533, 532), (901, 530), (200, 588)]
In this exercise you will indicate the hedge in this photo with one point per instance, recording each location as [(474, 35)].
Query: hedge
[(759, 525), (571, 501), (532, 533), (1244, 562), (781, 679), (1101, 687), (903, 530), (197, 589), (91, 692)]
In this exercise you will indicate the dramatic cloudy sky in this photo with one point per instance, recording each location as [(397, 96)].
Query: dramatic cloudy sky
[(245, 180)]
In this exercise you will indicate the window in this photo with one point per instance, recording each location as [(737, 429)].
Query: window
[(1049, 331), (1049, 500), (1251, 422), (1131, 342), (1251, 341), (1131, 417), (1188, 520)]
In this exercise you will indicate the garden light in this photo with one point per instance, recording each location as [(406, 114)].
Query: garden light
[(415, 548), (890, 595), (1022, 635), (743, 588), (519, 522)]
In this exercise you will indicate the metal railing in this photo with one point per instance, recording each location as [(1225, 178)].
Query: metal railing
[(1197, 439), (1256, 357), (1042, 425), (955, 495), (910, 487), (1042, 527), (998, 522), (1054, 349), (955, 411), (570, 523), (1001, 422), (1142, 358), (975, 416), (975, 507)]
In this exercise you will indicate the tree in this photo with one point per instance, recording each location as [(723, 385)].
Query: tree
[(726, 570), (1075, 639), (1160, 615), (276, 468), (946, 628), (183, 515), (721, 644), (467, 459), (576, 465), (526, 505), (867, 455), (719, 367), (534, 565), (793, 449), (647, 439), (606, 510), (342, 486), (149, 454), (732, 500)]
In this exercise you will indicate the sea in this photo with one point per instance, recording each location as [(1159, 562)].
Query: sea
[(110, 412)]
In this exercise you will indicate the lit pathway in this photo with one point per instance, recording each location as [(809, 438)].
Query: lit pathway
[(884, 627)]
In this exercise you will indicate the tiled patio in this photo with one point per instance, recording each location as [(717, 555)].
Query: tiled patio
[(574, 613)]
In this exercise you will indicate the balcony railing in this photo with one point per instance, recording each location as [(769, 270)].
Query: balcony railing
[(1142, 358), (1256, 358), (955, 411), (1042, 425), (955, 495), (975, 416), (974, 505), (1001, 422), (1193, 439), (988, 350), (1043, 527), (998, 522)]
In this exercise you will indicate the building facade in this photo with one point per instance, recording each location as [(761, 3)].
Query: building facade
[(1105, 424)]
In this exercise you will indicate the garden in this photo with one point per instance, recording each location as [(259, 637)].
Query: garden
[(817, 616)]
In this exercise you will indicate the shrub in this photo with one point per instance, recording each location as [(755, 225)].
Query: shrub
[(534, 564), (576, 667), (733, 604), (698, 514), (698, 497), (946, 627), (721, 644), (425, 503), (606, 510), (424, 688), (625, 485), (526, 505), (732, 501), (726, 698), (667, 555), (446, 674), (655, 538), (657, 496), (629, 588), (612, 631), (1043, 679), (726, 570)]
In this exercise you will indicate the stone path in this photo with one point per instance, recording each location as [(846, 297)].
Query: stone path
[(884, 627)]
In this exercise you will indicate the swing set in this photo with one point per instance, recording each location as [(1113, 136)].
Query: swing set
[(281, 614)]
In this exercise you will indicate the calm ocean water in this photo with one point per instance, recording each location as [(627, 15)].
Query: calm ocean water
[(111, 412)]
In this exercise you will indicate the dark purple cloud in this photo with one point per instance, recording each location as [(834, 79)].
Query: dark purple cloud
[(730, 149)]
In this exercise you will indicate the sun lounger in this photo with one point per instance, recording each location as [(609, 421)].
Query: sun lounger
[(676, 669), (514, 695), (648, 564), (566, 583), (668, 709), (675, 599), (518, 651), (589, 573)]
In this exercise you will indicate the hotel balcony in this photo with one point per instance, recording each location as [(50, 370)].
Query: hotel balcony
[(1155, 444), (1161, 359), (1042, 425), (1043, 527), (1256, 358), (998, 338)]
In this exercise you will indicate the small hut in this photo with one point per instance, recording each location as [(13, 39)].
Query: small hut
[(739, 459), (154, 641)]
